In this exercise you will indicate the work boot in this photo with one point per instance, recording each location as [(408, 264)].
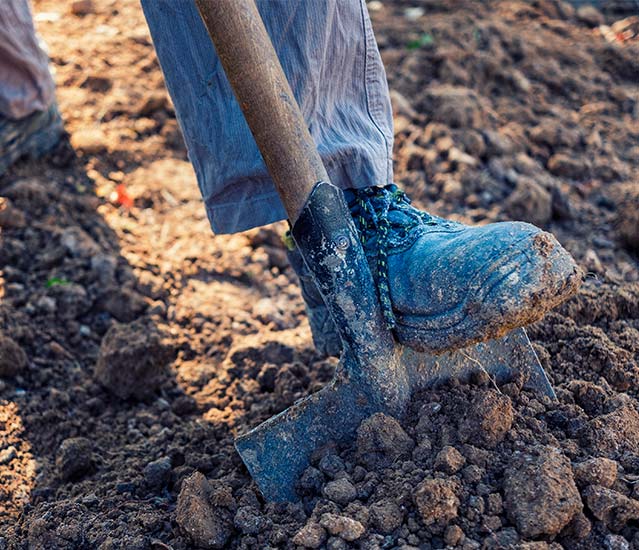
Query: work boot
[(443, 285), (32, 136)]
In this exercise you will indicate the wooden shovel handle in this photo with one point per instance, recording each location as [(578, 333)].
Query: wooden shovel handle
[(266, 99)]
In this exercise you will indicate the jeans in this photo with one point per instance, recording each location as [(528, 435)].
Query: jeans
[(26, 85), (330, 57)]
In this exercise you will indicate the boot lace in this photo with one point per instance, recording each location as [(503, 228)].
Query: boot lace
[(384, 219)]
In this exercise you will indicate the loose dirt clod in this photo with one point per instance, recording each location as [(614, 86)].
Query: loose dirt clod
[(74, 458), (133, 360), (436, 501), (13, 358), (381, 440), (208, 526), (596, 471), (487, 420), (541, 495)]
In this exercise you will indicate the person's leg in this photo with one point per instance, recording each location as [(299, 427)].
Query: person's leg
[(29, 120), (26, 84), (441, 285), (330, 57)]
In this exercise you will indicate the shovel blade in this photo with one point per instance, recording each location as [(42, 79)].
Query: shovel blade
[(278, 451)]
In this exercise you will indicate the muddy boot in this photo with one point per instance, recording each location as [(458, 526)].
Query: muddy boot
[(32, 136), (444, 285)]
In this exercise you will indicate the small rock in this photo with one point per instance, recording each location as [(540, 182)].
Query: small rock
[(82, 7), (540, 492), (78, 242), (13, 359), (310, 482), (596, 471), (628, 222), (151, 103), (613, 508), (401, 105), (104, 267), (72, 300), (453, 535), (487, 419), (133, 359), (29, 190), (565, 166), (616, 542), (449, 460), (529, 202), (158, 473), (74, 458), (208, 526), (579, 528), (614, 433), (248, 520), (341, 491), (90, 141), (331, 465), (381, 441), (344, 527), (8, 454), (436, 501), (386, 516), (124, 304), (10, 216), (183, 405), (312, 535), (591, 16)]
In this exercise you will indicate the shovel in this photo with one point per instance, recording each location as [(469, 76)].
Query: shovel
[(375, 373)]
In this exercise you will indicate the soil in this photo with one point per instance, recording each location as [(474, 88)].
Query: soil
[(134, 346)]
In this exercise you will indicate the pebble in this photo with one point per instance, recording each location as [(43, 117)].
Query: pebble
[(616, 542), (82, 7), (342, 526), (8, 454), (13, 359), (381, 441), (249, 520), (158, 473), (341, 491), (591, 16), (436, 501), (331, 465), (449, 460), (10, 217), (312, 535), (386, 516), (596, 471), (74, 458), (206, 525), (90, 141)]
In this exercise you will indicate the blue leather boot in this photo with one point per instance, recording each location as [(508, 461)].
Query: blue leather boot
[(444, 285)]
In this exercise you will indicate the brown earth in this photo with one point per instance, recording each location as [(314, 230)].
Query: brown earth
[(134, 346)]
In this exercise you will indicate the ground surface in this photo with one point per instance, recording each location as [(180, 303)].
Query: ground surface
[(504, 110)]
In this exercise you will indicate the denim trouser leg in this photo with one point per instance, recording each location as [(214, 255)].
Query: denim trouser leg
[(26, 85), (330, 57)]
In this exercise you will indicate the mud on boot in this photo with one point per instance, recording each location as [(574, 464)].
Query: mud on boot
[(444, 285)]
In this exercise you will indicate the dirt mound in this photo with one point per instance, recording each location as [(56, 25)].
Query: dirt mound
[(133, 347)]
